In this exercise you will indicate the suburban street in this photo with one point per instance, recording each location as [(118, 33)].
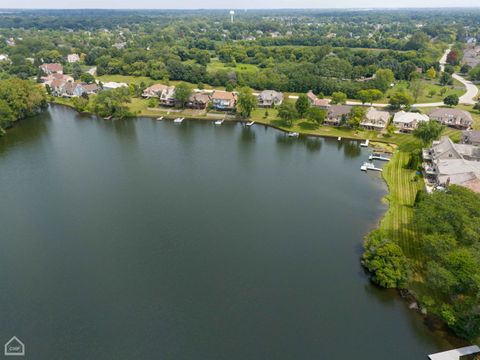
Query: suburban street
[(466, 99)]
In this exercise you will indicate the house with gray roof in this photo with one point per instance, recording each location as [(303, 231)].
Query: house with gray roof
[(456, 118), (471, 137), (449, 163), (270, 98), (375, 119), (408, 121), (337, 114)]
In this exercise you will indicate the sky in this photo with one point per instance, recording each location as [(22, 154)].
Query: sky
[(237, 4)]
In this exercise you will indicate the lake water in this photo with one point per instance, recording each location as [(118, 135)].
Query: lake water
[(141, 239)]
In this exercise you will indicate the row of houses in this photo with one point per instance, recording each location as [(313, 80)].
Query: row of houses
[(221, 100), (403, 120), (448, 163), (65, 86)]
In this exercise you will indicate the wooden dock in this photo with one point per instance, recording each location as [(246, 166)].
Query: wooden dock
[(455, 354)]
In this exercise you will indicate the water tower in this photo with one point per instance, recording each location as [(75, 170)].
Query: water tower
[(231, 15)]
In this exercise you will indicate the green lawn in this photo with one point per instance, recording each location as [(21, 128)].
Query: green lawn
[(457, 88), (216, 64), (146, 80)]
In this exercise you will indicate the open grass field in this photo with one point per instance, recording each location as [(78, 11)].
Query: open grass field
[(137, 80), (456, 89), (215, 65)]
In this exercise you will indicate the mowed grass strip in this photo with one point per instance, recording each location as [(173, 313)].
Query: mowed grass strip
[(403, 187)]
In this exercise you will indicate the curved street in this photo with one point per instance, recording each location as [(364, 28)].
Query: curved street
[(467, 99)]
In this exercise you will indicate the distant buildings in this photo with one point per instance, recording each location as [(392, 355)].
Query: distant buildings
[(53, 68), (73, 58)]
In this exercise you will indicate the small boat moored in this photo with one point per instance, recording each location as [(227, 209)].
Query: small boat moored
[(250, 123), (339, 138), (219, 122), (160, 118), (293, 134), (178, 120)]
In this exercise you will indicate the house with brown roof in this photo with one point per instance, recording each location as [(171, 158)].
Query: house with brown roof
[(316, 102), (456, 118), (198, 100), (337, 114), (224, 100), (53, 68), (154, 91)]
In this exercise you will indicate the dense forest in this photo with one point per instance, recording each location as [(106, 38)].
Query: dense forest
[(19, 99), (295, 51), (449, 235)]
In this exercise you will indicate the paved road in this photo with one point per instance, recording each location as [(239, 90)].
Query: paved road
[(467, 98), (472, 89)]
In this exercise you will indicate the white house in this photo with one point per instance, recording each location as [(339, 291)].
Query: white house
[(408, 121)]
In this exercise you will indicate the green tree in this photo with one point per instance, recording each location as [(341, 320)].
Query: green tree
[(287, 112), (427, 131), (183, 91), (383, 79), (357, 114), (316, 115), (369, 95), (246, 102), (302, 105), (339, 97), (451, 100), (417, 88), (385, 261), (401, 98), (6, 115), (432, 92), (446, 79), (87, 78)]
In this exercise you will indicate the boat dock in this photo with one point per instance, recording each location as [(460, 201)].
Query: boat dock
[(365, 144), (178, 120), (369, 166), (160, 118), (293, 134), (219, 122), (378, 157), (250, 123), (455, 354)]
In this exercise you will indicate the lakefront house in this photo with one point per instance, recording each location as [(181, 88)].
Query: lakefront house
[(408, 121), (337, 114), (375, 119), (224, 100), (456, 118), (270, 98), (316, 102)]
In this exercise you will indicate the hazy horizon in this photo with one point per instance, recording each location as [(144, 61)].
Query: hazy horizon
[(238, 5)]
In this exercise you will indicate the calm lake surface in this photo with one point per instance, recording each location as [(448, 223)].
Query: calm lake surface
[(141, 239)]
